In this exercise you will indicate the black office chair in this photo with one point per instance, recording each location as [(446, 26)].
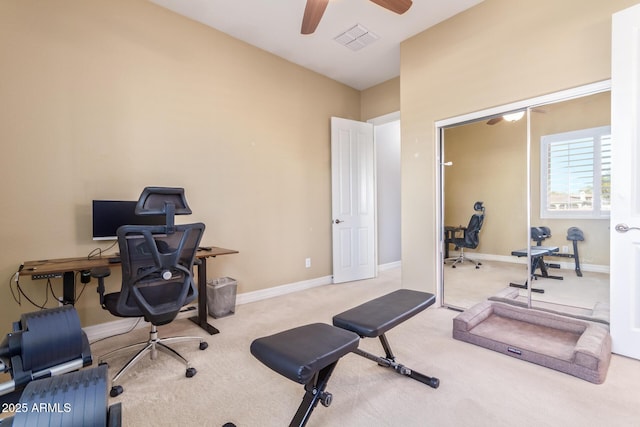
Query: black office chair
[(157, 279), (470, 237)]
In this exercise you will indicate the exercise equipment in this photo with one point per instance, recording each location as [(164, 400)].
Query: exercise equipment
[(537, 261), (574, 235), (76, 399), (309, 354), (372, 319), (43, 344), (539, 251)]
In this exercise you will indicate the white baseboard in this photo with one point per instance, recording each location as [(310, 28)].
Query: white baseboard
[(108, 329), (390, 266), (254, 296), (120, 326), (564, 265), (115, 327)]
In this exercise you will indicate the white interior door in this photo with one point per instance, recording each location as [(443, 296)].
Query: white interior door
[(353, 200), (625, 183)]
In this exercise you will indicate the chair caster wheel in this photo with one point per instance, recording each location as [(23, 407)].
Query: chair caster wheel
[(191, 372), (204, 345), (477, 267), (326, 399), (116, 390), (453, 266)]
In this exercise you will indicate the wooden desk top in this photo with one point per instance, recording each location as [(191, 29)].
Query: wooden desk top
[(61, 265)]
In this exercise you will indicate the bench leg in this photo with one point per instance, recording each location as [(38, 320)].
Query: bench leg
[(389, 361), (534, 265), (315, 392)]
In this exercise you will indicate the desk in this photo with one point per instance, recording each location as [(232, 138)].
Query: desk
[(67, 267), (449, 235)]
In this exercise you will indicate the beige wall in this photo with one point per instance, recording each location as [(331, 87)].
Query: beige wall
[(489, 165), (380, 99), (498, 52), (102, 98)]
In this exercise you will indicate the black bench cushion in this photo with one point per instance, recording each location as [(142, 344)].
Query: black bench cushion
[(377, 316), (301, 352)]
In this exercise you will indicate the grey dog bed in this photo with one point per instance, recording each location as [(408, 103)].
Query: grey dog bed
[(573, 346)]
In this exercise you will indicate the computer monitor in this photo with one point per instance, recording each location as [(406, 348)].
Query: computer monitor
[(108, 215)]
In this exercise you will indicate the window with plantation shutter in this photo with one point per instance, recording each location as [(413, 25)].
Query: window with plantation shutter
[(576, 174)]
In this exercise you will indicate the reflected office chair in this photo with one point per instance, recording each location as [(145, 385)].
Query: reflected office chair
[(470, 237), (157, 279)]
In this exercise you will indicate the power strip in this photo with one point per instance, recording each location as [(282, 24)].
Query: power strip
[(46, 276)]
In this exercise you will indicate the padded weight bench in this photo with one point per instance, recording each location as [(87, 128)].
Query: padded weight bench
[(537, 261), (308, 354), (372, 319)]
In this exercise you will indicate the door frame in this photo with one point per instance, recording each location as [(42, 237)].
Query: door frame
[(378, 121), (441, 125)]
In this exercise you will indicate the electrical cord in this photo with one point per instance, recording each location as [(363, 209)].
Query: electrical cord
[(19, 292), (97, 252)]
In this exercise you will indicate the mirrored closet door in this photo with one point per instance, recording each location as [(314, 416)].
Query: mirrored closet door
[(543, 180), (570, 202), (485, 162)]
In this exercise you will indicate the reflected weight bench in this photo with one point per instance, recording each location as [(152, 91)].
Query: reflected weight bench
[(308, 354), (537, 261)]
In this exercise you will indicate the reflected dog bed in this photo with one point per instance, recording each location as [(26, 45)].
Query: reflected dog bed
[(573, 346)]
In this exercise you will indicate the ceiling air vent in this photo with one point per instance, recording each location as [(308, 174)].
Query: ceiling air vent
[(356, 37)]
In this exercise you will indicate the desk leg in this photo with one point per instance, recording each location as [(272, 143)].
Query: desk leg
[(201, 318), (69, 288)]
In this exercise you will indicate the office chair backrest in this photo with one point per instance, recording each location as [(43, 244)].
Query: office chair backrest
[(157, 261), (471, 235), (157, 277)]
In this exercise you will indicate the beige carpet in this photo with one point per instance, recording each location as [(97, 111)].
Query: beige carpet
[(478, 387), (465, 286)]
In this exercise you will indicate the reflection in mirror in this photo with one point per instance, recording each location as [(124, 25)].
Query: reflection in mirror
[(568, 208), (489, 165), (570, 201)]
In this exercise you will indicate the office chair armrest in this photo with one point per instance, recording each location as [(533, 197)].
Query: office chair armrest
[(100, 273)]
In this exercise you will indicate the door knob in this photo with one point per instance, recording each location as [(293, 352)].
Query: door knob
[(337, 221), (623, 228)]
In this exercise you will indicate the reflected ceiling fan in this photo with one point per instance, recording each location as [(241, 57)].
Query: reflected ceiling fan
[(315, 9)]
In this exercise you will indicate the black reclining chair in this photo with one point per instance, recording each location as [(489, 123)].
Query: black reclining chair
[(157, 278), (470, 236)]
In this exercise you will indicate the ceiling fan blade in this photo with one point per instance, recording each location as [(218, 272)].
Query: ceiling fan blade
[(494, 120), (397, 6), (313, 12)]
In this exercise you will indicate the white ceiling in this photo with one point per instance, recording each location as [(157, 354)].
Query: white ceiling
[(274, 25)]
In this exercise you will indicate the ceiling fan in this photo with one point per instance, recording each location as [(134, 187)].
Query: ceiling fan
[(315, 9)]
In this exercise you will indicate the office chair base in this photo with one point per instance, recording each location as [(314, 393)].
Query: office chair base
[(151, 347), (461, 259)]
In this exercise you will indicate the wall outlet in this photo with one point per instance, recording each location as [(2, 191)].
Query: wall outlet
[(565, 249), (307, 262)]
